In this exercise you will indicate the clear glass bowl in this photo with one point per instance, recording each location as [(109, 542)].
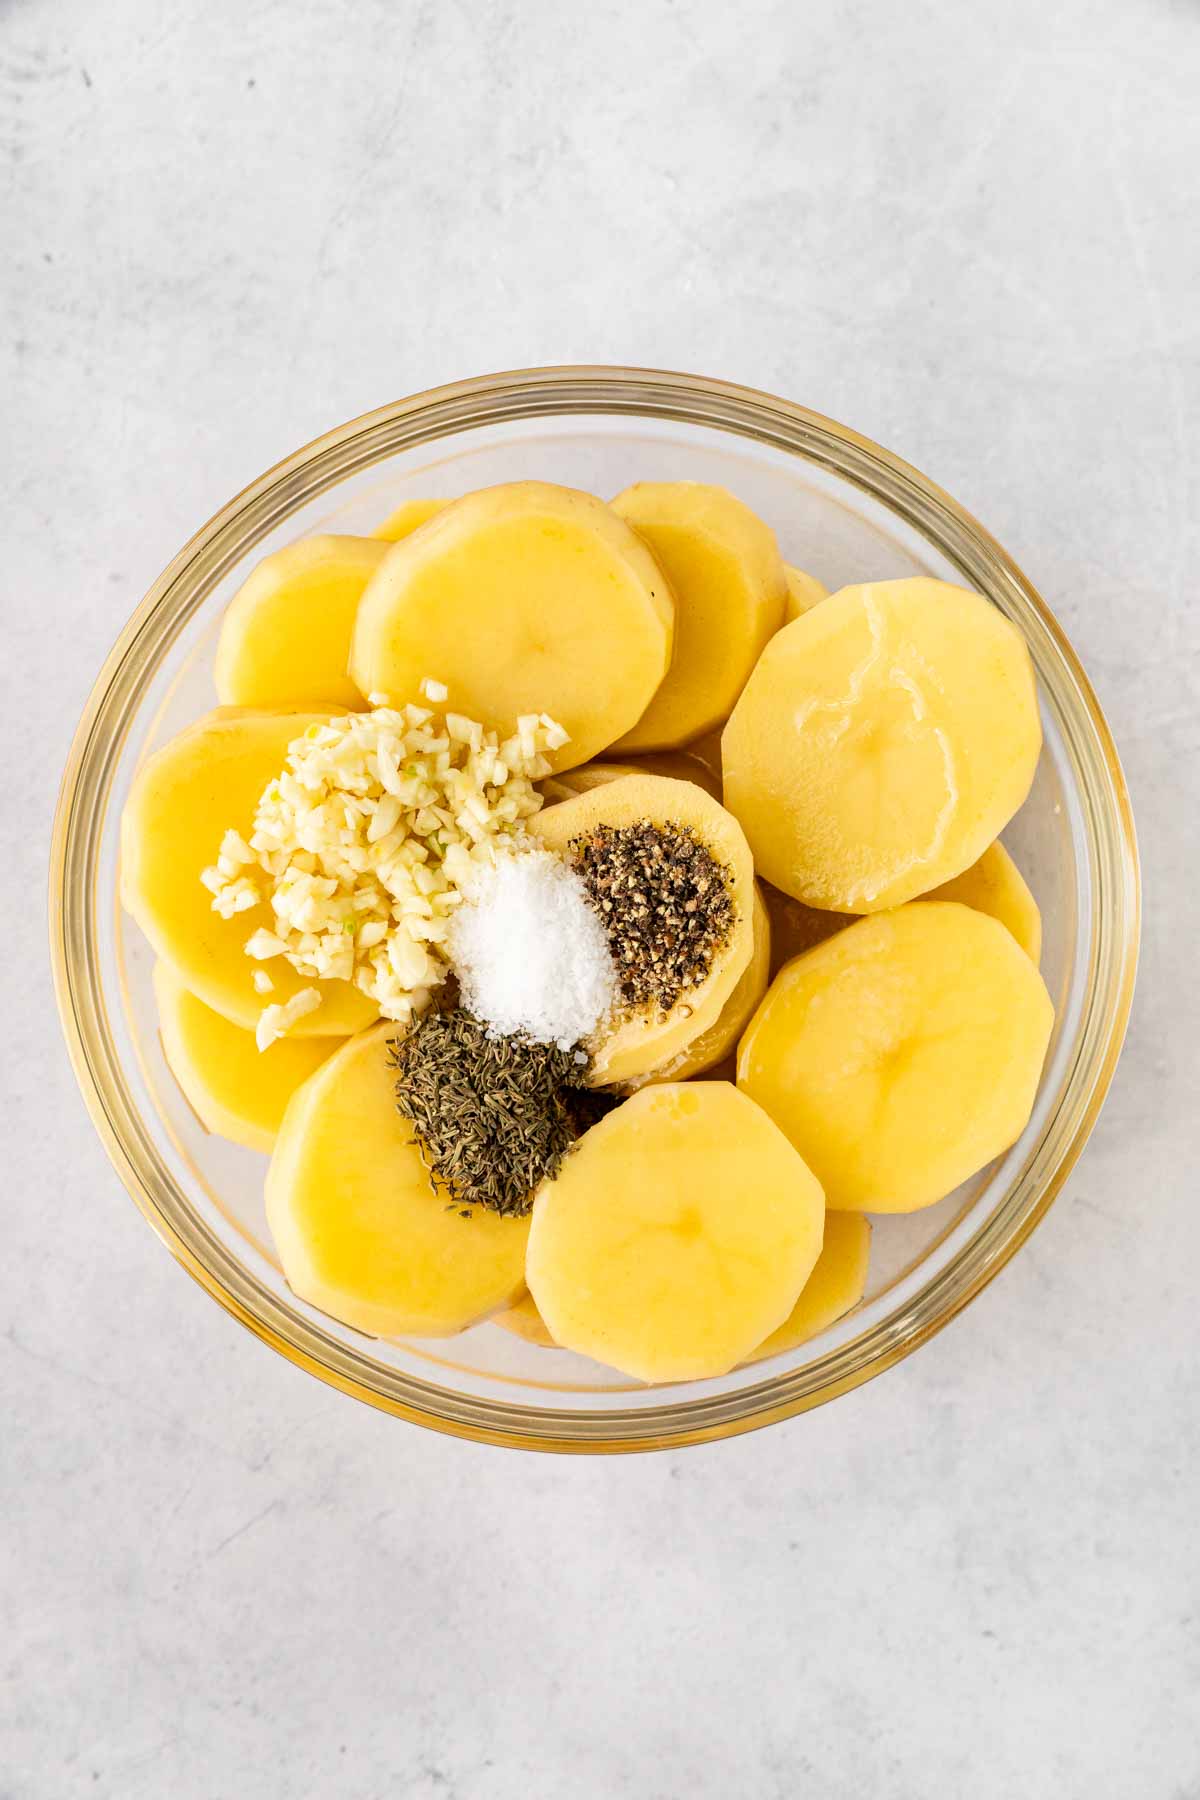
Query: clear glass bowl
[(845, 510)]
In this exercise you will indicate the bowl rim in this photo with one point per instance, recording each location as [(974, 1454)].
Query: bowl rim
[(448, 409)]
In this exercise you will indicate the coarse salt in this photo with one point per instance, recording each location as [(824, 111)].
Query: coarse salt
[(529, 952)]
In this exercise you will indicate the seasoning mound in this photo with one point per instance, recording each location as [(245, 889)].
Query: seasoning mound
[(530, 954), (365, 840), (665, 904), (493, 1116)]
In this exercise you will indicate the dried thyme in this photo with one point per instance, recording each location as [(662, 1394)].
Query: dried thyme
[(493, 1116), (664, 901)]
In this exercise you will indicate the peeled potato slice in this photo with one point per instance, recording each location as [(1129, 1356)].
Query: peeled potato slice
[(711, 1047), (407, 518), (724, 567), (522, 1319), (882, 742), (583, 779), (795, 927), (680, 765), (901, 1055), (285, 639), (185, 797), (635, 1042), (677, 1235), (707, 750), (522, 599), (235, 1090), (995, 885), (803, 593), (361, 1231), (836, 1284)]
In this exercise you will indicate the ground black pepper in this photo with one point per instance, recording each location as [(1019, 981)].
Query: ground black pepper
[(664, 901)]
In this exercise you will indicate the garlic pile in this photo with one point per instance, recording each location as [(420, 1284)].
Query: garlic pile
[(365, 841)]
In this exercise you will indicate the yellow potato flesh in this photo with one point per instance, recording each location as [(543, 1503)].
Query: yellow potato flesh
[(584, 779), (521, 599), (361, 1231), (727, 577), (901, 1055), (285, 639), (631, 1044), (882, 742), (796, 927), (996, 886), (993, 885), (680, 765), (837, 1283), (677, 1235), (523, 1320), (408, 517), (184, 798), (707, 750), (803, 593), (714, 1045), (235, 1090)]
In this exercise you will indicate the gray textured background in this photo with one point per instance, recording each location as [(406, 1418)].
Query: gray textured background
[(971, 231)]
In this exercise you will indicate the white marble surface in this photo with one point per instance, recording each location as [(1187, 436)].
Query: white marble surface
[(971, 232)]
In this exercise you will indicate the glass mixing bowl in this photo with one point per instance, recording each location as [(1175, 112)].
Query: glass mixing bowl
[(843, 509)]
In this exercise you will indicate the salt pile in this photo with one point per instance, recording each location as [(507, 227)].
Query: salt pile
[(529, 952)]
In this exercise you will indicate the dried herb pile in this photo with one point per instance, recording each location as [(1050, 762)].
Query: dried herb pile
[(493, 1116), (664, 901)]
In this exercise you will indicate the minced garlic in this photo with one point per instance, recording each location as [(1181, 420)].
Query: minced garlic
[(276, 1021), (364, 842)]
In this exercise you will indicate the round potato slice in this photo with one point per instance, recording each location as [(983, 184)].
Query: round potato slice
[(522, 1319), (361, 1231), (680, 765), (837, 1283), (803, 593), (408, 517), (522, 599), (901, 1055), (285, 640), (724, 568), (882, 742), (677, 1235), (996, 886), (184, 798), (635, 1041), (993, 885), (584, 778), (796, 927), (235, 1089), (707, 750)]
